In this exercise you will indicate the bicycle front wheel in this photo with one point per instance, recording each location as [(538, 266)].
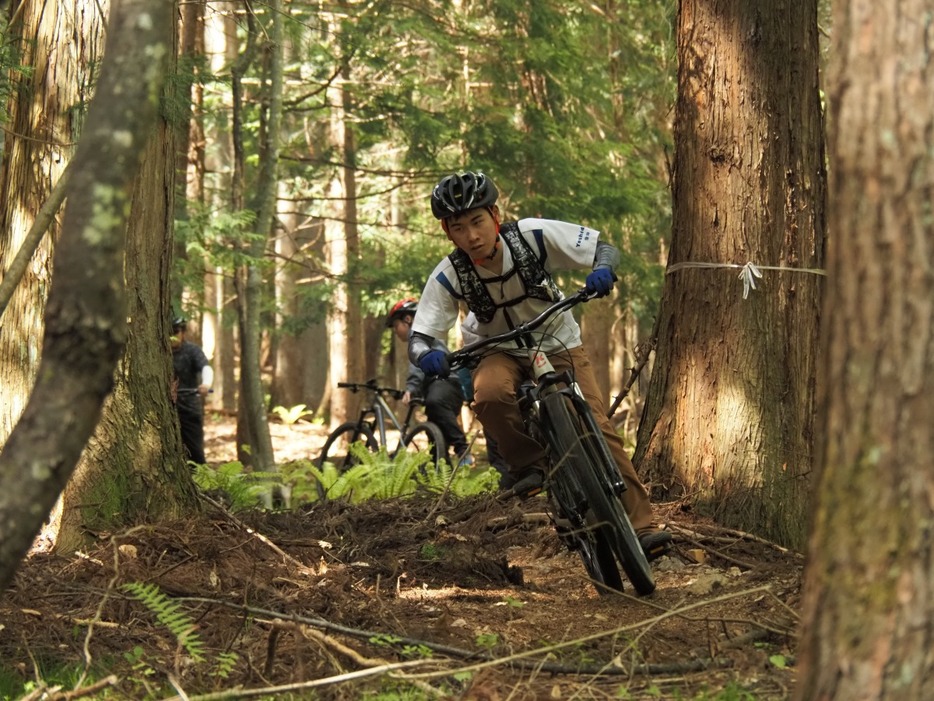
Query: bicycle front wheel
[(426, 436), (337, 447), (605, 514), (591, 545)]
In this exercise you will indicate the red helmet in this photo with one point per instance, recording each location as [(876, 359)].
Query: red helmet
[(402, 308)]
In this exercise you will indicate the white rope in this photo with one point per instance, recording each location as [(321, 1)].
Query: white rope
[(748, 273)]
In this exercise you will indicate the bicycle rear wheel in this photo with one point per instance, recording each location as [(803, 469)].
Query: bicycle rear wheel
[(426, 436), (336, 448), (605, 514)]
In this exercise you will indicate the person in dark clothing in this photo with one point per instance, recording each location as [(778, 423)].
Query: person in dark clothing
[(443, 397), (193, 379)]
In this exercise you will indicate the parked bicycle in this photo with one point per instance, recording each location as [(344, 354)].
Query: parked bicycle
[(583, 482), (376, 423)]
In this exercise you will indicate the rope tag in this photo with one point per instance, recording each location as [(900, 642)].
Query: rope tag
[(748, 273)]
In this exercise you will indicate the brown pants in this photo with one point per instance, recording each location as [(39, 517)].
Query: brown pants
[(495, 382)]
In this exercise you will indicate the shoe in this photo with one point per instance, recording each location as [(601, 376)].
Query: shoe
[(655, 544), (529, 483), (466, 461)]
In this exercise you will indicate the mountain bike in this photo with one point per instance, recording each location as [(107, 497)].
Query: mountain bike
[(583, 481), (373, 427)]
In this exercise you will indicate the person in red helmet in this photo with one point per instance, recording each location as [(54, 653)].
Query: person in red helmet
[(443, 397), (503, 273)]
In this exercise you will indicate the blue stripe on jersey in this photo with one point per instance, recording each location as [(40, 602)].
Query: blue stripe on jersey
[(443, 279)]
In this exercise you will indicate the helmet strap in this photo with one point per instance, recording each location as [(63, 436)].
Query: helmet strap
[(493, 251), (496, 242)]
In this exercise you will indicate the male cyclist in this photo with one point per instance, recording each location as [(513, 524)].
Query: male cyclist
[(503, 273), (443, 397)]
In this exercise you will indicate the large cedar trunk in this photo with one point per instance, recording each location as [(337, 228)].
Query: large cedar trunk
[(134, 467), (44, 122), (729, 413), (869, 585), (85, 333)]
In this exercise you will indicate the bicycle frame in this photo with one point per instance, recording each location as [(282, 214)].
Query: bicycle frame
[(377, 412), (546, 380), (584, 481)]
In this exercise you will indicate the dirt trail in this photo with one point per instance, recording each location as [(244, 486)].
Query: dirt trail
[(429, 589)]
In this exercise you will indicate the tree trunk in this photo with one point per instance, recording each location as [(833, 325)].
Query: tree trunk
[(245, 437), (729, 414), (134, 468), (262, 456), (345, 331), (220, 343), (44, 119), (85, 332), (287, 380), (868, 618)]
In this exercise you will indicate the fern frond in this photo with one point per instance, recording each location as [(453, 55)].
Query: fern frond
[(170, 614)]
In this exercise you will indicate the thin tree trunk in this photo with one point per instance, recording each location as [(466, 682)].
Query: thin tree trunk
[(254, 400), (218, 327), (345, 331)]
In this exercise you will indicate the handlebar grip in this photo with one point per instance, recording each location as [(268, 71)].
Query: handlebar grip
[(346, 385)]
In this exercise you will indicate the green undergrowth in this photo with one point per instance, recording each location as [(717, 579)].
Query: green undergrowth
[(374, 476)]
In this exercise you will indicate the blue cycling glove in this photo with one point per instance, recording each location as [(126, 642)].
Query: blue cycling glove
[(435, 362), (600, 282)]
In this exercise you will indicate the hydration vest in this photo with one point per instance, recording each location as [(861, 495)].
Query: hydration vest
[(537, 282)]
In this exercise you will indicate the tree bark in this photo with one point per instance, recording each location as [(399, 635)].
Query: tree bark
[(251, 291), (345, 330), (85, 331), (37, 148), (134, 468), (868, 620), (729, 413), (220, 311)]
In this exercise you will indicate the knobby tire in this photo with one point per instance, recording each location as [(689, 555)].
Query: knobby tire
[(426, 436), (613, 531), (336, 451)]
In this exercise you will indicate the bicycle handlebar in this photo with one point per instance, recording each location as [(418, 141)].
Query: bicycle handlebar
[(459, 357), (370, 385)]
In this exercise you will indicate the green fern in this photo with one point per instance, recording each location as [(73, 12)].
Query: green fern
[(170, 614), (462, 482), (244, 490), (396, 477), (226, 661), (290, 415)]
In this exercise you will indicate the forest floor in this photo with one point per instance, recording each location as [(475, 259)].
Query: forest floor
[(408, 599)]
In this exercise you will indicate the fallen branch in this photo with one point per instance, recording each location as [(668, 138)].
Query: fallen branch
[(529, 659), (299, 566), (742, 535), (683, 535)]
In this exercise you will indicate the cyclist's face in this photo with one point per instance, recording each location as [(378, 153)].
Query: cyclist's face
[(401, 327), (474, 232)]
